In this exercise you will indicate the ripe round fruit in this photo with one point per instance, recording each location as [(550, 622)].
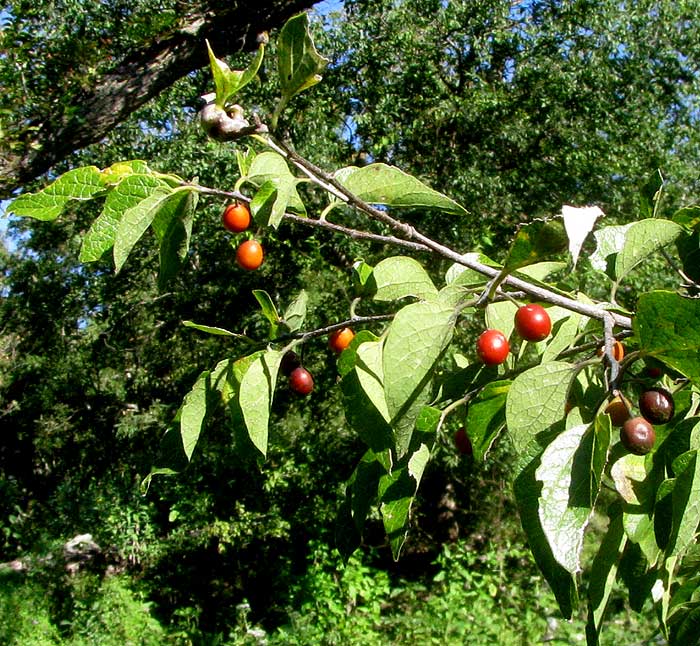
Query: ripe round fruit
[(637, 435), (618, 411), (656, 405), (290, 361), (236, 217), (532, 322), (462, 442), (492, 347), (301, 381), (340, 339), (249, 255)]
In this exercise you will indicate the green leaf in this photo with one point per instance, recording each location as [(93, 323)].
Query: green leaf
[(255, 397), (263, 203), (128, 193), (642, 239), (603, 575), (566, 326), (295, 314), (80, 184), (565, 500), (272, 167), (229, 82), (390, 186), (667, 327), (360, 493), (175, 239), (193, 412), (219, 331), (536, 402), (160, 203), (397, 490), (415, 342), (268, 309), (400, 277), (686, 503), (486, 416), (650, 195), (535, 241), (299, 64), (688, 217), (527, 496), (362, 384), (362, 278)]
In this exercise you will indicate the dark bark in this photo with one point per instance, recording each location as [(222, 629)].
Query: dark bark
[(141, 75)]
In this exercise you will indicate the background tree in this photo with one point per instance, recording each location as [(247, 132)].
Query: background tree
[(111, 58)]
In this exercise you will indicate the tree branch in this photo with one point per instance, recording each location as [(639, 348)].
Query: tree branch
[(140, 76)]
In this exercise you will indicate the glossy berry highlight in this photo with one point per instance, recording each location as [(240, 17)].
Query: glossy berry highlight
[(656, 405), (236, 217), (638, 436), (492, 347), (249, 255), (301, 381), (532, 322), (340, 339)]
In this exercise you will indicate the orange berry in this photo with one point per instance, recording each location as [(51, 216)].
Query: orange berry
[(340, 339), (618, 351), (249, 255), (236, 217), (618, 411)]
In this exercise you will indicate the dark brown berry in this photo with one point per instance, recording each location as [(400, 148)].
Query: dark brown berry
[(638, 436), (656, 405)]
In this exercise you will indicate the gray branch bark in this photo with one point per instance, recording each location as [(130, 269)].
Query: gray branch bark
[(141, 75)]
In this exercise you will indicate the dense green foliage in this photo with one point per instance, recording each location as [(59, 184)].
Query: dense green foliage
[(523, 110)]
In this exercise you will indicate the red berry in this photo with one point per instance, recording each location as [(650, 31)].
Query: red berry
[(492, 347), (236, 217), (301, 381), (638, 436), (532, 322), (340, 339), (249, 255), (462, 442)]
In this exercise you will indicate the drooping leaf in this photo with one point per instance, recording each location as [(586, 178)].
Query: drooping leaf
[(390, 186), (360, 493), (268, 309), (219, 331), (527, 495), (650, 195), (129, 192), (603, 575), (397, 490), (255, 397), (295, 314), (175, 239), (193, 412), (688, 217), (685, 503), (362, 382), (667, 327), (565, 500), (535, 404), (80, 184), (400, 277), (486, 416), (414, 343), (164, 203)]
